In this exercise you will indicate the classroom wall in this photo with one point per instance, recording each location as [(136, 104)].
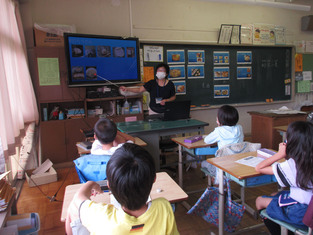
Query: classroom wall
[(163, 20)]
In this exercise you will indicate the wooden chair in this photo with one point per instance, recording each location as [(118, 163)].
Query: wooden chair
[(307, 220)]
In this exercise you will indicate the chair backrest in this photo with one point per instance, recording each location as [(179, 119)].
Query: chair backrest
[(91, 167), (243, 147), (308, 216)]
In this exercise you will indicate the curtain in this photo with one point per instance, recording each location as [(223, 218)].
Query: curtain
[(17, 98)]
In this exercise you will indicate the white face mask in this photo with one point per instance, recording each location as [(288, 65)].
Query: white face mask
[(160, 75)]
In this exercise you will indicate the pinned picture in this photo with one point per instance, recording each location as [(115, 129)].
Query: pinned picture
[(153, 53), (195, 71), (244, 57), (175, 56), (177, 72), (221, 57), (196, 56), (221, 91), (180, 87), (221, 73), (244, 72)]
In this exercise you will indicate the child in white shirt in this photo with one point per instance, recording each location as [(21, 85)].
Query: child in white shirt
[(108, 138)]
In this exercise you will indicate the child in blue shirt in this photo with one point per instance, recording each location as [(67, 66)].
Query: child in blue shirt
[(226, 132)]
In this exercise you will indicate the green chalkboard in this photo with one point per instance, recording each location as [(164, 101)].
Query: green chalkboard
[(216, 74)]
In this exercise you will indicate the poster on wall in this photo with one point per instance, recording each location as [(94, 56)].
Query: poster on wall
[(244, 57), (221, 73), (221, 91), (196, 56), (221, 57), (175, 56), (180, 87), (177, 72), (246, 31), (195, 71), (153, 53), (244, 72)]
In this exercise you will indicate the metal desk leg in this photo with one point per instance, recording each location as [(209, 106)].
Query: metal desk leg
[(221, 202), (180, 166)]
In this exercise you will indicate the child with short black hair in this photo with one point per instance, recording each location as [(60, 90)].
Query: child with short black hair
[(226, 132), (131, 174), (108, 138), (295, 173)]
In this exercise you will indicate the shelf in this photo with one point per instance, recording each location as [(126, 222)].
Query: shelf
[(113, 98)]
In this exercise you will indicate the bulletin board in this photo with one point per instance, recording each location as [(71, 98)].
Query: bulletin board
[(218, 74)]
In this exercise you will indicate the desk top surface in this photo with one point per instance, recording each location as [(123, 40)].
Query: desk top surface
[(156, 125), (229, 165), (273, 115), (281, 128), (197, 144), (138, 141), (170, 191)]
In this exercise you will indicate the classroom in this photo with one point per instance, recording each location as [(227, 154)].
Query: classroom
[(187, 23)]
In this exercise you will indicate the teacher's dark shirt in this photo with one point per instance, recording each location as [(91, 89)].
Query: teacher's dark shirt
[(155, 91)]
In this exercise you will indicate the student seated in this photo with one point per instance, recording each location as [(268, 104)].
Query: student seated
[(131, 174), (295, 172), (107, 138), (226, 132)]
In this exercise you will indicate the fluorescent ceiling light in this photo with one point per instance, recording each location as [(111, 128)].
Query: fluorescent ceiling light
[(289, 6)]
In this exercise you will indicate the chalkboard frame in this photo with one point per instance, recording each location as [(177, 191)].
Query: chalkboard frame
[(272, 74)]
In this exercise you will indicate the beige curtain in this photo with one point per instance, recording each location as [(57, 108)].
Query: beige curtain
[(17, 99)]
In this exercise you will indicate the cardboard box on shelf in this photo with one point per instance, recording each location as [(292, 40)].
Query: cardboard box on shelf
[(44, 174), (51, 35)]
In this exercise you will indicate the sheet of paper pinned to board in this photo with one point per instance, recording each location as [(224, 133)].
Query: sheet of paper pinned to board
[(298, 63), (148, 74), (153, 53), (48, 70)]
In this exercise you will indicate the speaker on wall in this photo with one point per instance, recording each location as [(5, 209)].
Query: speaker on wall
[(307, 23)]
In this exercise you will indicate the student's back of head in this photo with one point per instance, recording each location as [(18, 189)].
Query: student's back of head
[(105, 130), (227, 115), (131, 173)]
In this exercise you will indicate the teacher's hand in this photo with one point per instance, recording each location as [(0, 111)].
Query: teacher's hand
[(162, 102), (123, 88)]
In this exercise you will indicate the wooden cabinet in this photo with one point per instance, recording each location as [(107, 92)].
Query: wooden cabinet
[(262, 127), (58, 138)]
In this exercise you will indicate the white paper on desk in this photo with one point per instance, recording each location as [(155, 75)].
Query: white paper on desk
[(250, 161), (284, 110)]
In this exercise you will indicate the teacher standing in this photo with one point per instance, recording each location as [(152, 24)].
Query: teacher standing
[(161, 90)]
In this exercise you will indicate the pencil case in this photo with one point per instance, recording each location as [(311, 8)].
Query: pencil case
[(193, 139)]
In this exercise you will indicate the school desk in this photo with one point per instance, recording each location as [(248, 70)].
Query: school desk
[(239, 171), (181, 144), (170, 190), (82, 151), (263, 123), (150, 132), (282, 131)]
